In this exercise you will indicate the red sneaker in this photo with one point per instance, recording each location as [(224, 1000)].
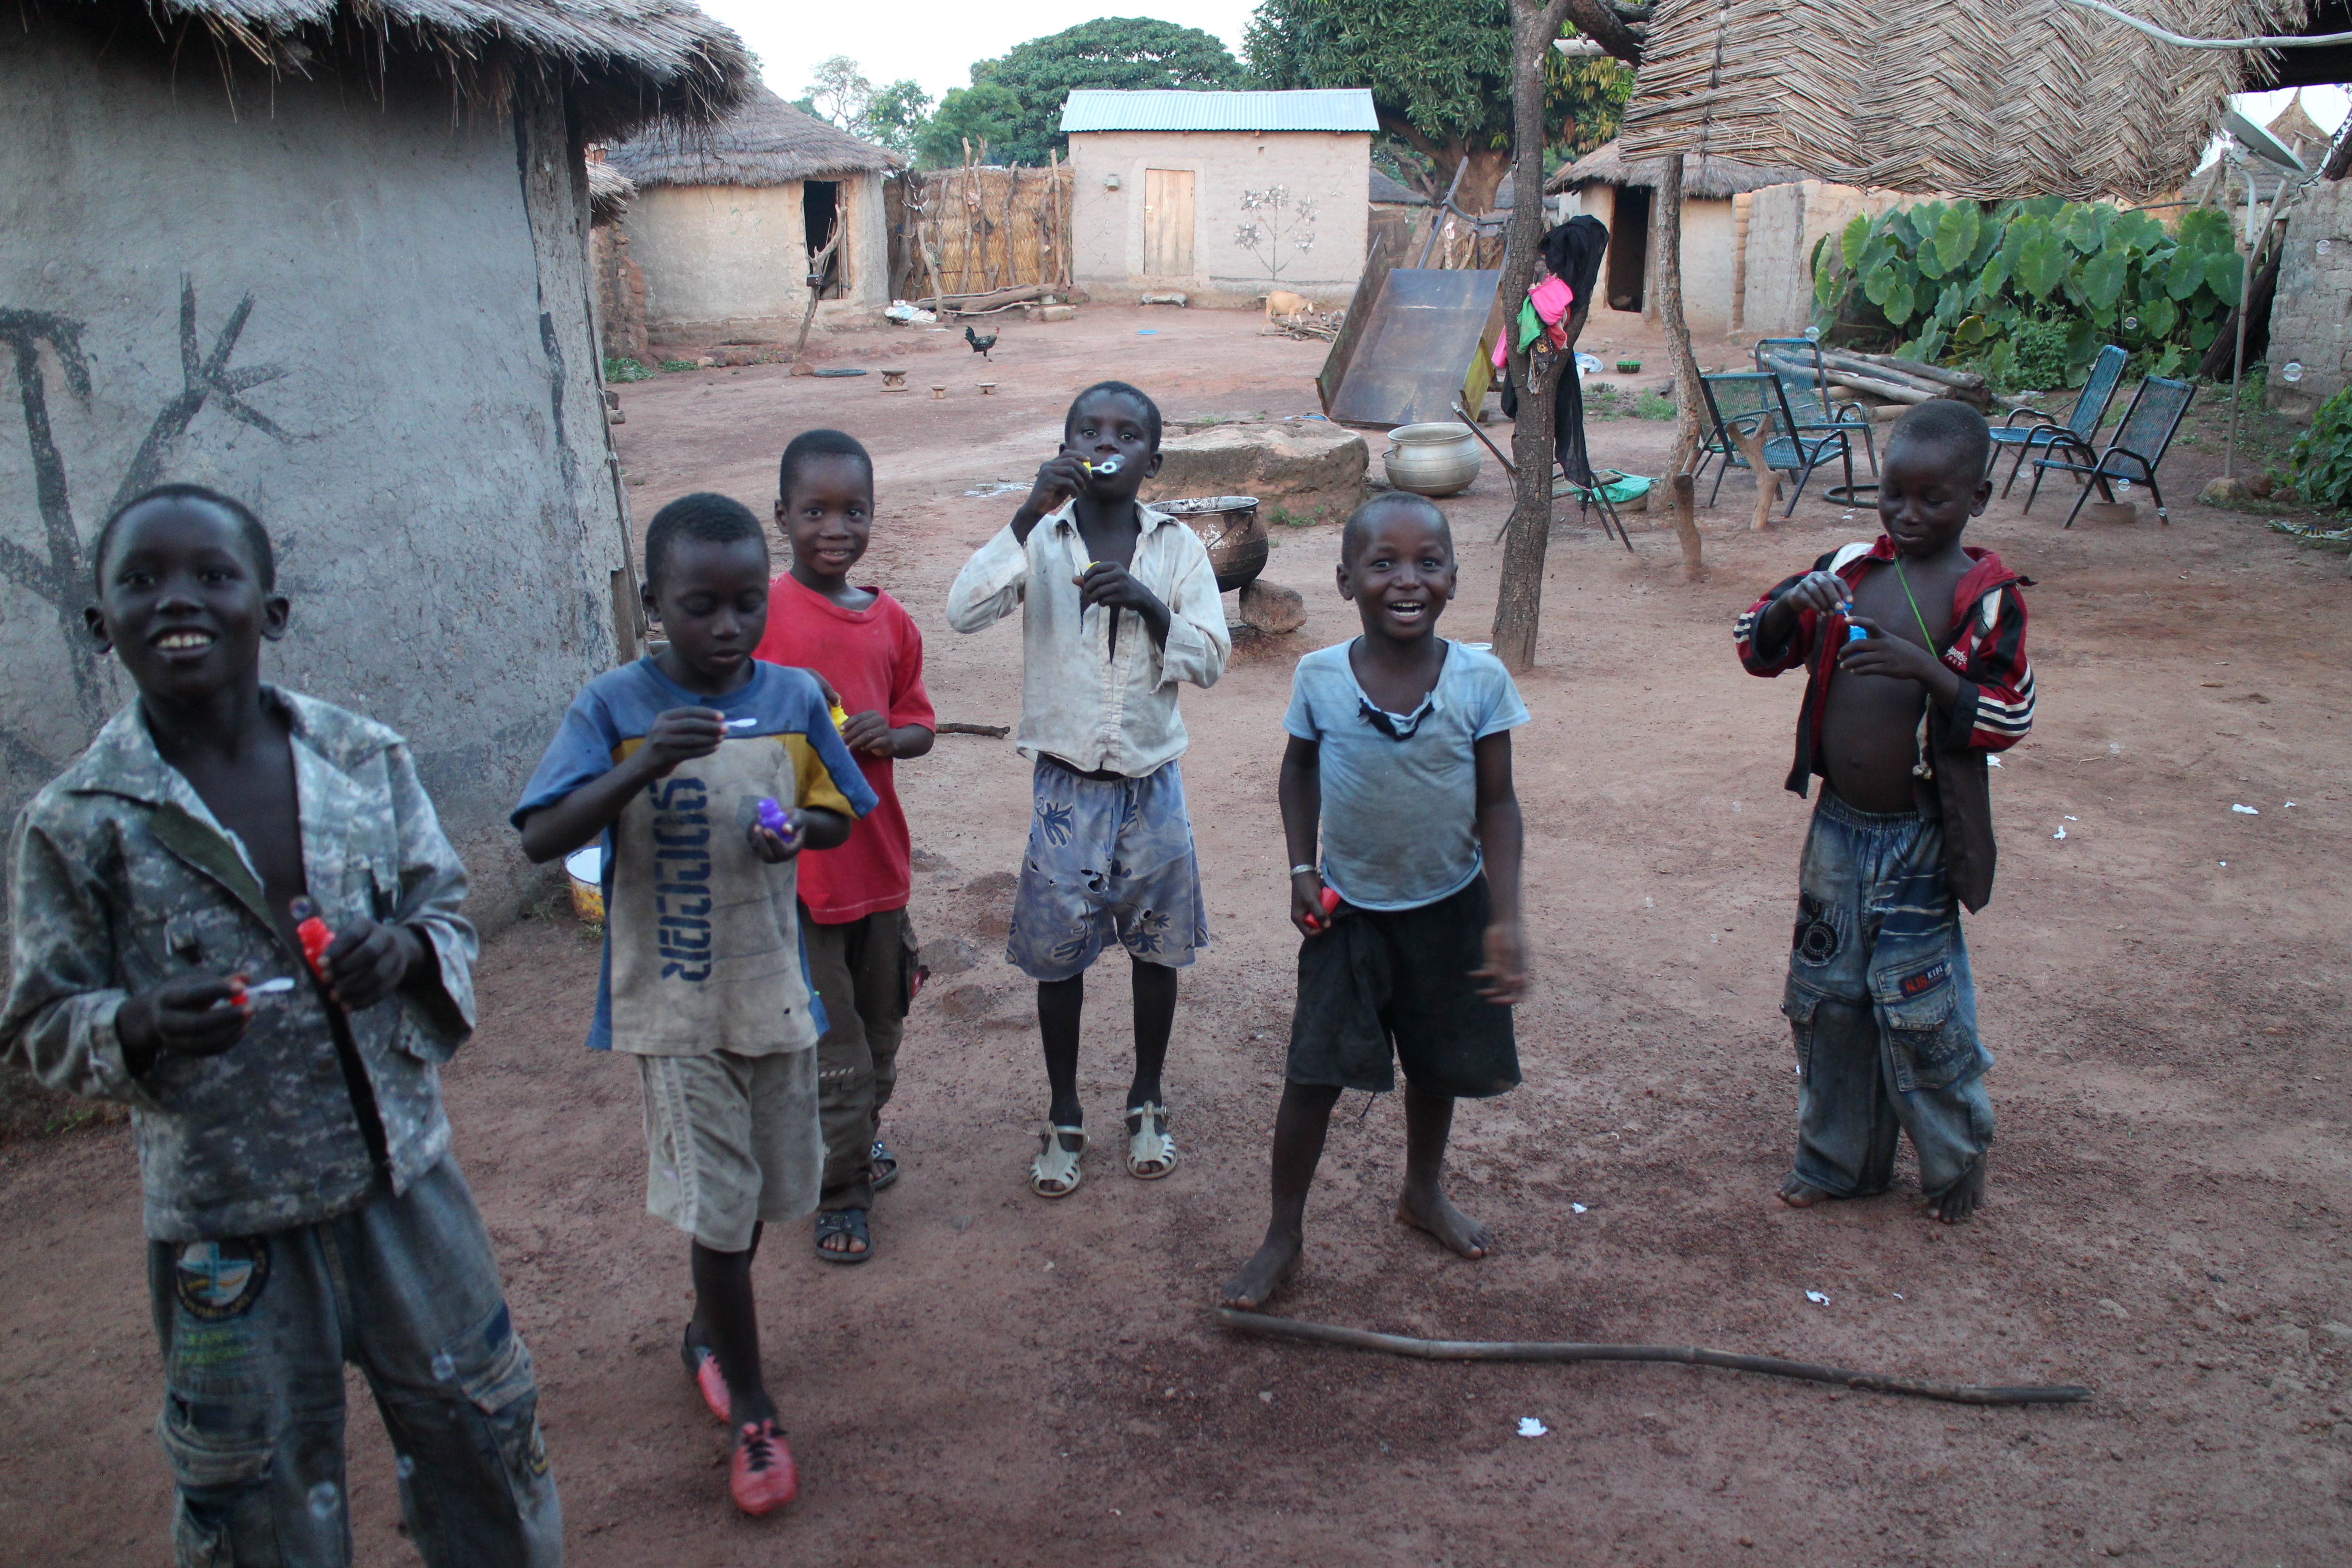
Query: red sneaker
[(764, 1478), (702, 1366)]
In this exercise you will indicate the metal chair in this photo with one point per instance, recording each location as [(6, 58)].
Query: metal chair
[(1755, 403), (1805, 381), (1595, 496), (2082, 422), (2141, 440)]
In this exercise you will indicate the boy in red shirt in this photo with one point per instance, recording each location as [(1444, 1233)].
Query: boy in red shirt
[(861, 950)]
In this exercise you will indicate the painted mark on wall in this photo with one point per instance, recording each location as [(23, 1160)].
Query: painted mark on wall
[(61, 578)]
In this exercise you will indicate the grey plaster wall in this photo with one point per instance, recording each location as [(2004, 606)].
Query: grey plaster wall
[(373, 325), (2311, 316)]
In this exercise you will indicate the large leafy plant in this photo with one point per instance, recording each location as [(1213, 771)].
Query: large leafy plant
[(2322, 457), (2031, 286)]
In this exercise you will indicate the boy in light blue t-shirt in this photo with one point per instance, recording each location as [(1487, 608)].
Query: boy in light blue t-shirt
[(1401, 754)]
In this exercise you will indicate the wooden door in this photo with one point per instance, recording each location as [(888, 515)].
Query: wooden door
[(1168, 223)]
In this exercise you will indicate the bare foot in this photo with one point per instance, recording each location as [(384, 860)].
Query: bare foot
[(1437, 1214), (1955, 1204), (1799, 1194), (1263, 1275)]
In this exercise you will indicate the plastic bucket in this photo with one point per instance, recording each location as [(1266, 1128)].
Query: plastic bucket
[(585, 870)]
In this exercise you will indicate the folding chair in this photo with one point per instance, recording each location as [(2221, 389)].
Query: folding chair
[(2141, 440), (1754, 402), (1596, 495), (1804, 381), (2082, 422)]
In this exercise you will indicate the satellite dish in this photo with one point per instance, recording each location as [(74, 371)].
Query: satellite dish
[(2261, 142)]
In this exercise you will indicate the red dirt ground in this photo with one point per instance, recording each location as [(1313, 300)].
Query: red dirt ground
[(1010, 1382)]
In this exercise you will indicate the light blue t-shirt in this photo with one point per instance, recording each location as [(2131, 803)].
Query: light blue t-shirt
[(1401, 790)]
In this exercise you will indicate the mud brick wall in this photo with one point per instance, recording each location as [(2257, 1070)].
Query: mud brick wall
[(2310, 322)]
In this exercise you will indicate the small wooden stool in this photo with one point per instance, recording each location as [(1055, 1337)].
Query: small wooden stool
[(894, 381), (988, 389), (939, 390)]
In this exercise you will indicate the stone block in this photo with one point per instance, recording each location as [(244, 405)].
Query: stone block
[(1271, 608), (1057, 314), (1316, 469)]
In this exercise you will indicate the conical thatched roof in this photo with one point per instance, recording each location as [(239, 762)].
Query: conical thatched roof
[(624, 61), (766, 141), (1710, 179), (2293, 125), (2012, 98)]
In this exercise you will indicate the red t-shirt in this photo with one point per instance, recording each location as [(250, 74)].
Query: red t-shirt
[(873, 657)]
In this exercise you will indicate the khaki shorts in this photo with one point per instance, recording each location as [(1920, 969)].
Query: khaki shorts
[(731, 1140)]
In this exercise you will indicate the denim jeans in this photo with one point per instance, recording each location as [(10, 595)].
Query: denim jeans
[(1882, 1007), (255, 1333)]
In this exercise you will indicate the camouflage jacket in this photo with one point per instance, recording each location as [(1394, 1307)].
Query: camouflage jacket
[(120, 878)]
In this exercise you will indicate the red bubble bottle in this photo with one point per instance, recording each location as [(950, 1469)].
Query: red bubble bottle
[(312, 932), (1330, 905)]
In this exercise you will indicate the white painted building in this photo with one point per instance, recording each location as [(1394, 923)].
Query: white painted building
[(1220, 195)]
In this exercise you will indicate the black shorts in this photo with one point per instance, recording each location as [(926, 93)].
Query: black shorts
[(1403, 976)]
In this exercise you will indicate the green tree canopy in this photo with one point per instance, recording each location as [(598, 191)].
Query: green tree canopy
[(1440, 71), (1036, 77), (983, 113), (890, 116)]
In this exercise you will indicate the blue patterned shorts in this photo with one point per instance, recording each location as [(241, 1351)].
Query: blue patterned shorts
[(1107, 857)]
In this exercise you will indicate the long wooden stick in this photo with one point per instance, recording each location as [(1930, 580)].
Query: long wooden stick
[(1542, 1351)]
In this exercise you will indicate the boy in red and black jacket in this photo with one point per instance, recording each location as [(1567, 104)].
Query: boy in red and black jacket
[(1914, 649)]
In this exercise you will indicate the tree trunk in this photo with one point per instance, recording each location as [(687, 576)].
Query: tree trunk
[(1483, 169), (1519, 602), (1690, 403)]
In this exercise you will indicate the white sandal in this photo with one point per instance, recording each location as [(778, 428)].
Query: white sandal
[(1055, 1172), (1150, 1148)]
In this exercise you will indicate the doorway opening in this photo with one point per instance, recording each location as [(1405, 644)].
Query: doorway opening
[(1629, 248), (819, 218)]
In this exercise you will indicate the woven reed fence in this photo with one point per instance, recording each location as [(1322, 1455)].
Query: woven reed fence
[(977, 227), (2015, 98)]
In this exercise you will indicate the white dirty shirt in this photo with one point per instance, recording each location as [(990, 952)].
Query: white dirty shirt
[(1093, 707)]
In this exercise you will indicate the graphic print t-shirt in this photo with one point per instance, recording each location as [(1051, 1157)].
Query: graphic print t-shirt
[(702, 947)]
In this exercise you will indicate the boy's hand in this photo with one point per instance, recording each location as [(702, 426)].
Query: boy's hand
[(192, 1016), (1882, 654), (1505, 968), (1108, 583), (1306, 904), (682, 734), (1059, 478), (774, 847), (868, 732), (1824, 592), (367, 962)]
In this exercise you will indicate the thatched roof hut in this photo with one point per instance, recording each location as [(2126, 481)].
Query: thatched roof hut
[(330, 256), (1948, 96), (621, 62), (729, 219), (609, 191), (763, 141), (1704, 178)]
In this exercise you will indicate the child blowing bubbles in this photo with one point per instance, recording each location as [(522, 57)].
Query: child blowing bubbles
[(1119, 604), (853, 900), (1400, 755), (671, 760), (1898, 724), (302, 1208)]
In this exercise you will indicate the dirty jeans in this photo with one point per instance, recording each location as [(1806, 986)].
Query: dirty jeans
[(1882, 1007), (254, 1333), (861, 969)]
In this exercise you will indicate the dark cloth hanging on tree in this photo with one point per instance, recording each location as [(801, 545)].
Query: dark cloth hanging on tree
[(1572, 253)]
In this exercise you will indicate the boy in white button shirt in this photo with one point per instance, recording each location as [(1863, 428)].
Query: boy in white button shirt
[(1119, 604)]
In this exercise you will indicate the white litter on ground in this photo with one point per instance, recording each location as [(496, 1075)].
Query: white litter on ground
[(1531, 1427), (1898, 1295), (2249, 810), (2060, 834), (2073, 819), (1992, 762), (1817, 1299), (1576, 1208)]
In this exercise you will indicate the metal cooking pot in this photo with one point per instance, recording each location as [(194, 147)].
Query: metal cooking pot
[(1230, 527)]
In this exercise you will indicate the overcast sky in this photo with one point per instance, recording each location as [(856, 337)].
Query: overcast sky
[(934, 41)]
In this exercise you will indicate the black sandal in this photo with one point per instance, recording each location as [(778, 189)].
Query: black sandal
[(850, 1223), (877, 1158)]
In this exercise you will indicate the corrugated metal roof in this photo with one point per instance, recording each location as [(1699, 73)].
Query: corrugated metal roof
[(1174, 109)]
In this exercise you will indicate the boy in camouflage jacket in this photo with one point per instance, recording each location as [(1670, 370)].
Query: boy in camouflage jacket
[(301, 1204)]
